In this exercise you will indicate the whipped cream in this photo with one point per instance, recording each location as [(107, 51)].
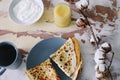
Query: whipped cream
[(82, 3), (27, 10)]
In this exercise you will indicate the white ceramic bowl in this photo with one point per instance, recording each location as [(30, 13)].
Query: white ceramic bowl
[(16, 20)]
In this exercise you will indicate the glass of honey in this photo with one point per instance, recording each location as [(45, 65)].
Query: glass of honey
[(62, 15)]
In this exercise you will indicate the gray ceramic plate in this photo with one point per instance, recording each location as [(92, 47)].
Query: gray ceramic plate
[(42, 50)]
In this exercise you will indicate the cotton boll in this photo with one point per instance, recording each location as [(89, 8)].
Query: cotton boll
[(99, 56), (108, 58), (99, 61), (96, 66), (102, 67), (109, 55), (97, 37), (81, 4), (106, 47), (80, 22), (98, 75)]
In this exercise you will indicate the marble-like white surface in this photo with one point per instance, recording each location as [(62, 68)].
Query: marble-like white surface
[(87, 51), (26, 42)]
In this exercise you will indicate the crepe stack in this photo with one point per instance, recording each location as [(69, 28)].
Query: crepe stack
[(68, 59)]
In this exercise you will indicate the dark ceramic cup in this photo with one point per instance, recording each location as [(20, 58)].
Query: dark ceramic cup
[(10, 57)]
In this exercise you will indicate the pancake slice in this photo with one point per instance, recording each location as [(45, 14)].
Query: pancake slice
[(68, 58), (43, 71)]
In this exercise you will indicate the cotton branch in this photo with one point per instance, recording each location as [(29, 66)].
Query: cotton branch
[(92, 32), (80, 11)]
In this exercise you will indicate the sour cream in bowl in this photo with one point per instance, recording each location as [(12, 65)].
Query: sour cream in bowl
[(26, 12)]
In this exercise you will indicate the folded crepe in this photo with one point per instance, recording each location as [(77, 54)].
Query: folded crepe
[(43, 71), (68, 58)]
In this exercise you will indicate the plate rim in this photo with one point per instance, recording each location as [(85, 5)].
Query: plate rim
[(29, 54)]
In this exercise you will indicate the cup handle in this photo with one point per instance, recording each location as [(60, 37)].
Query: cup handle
[(2, 70)]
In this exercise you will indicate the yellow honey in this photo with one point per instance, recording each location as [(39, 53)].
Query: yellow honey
[(62, 15)]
